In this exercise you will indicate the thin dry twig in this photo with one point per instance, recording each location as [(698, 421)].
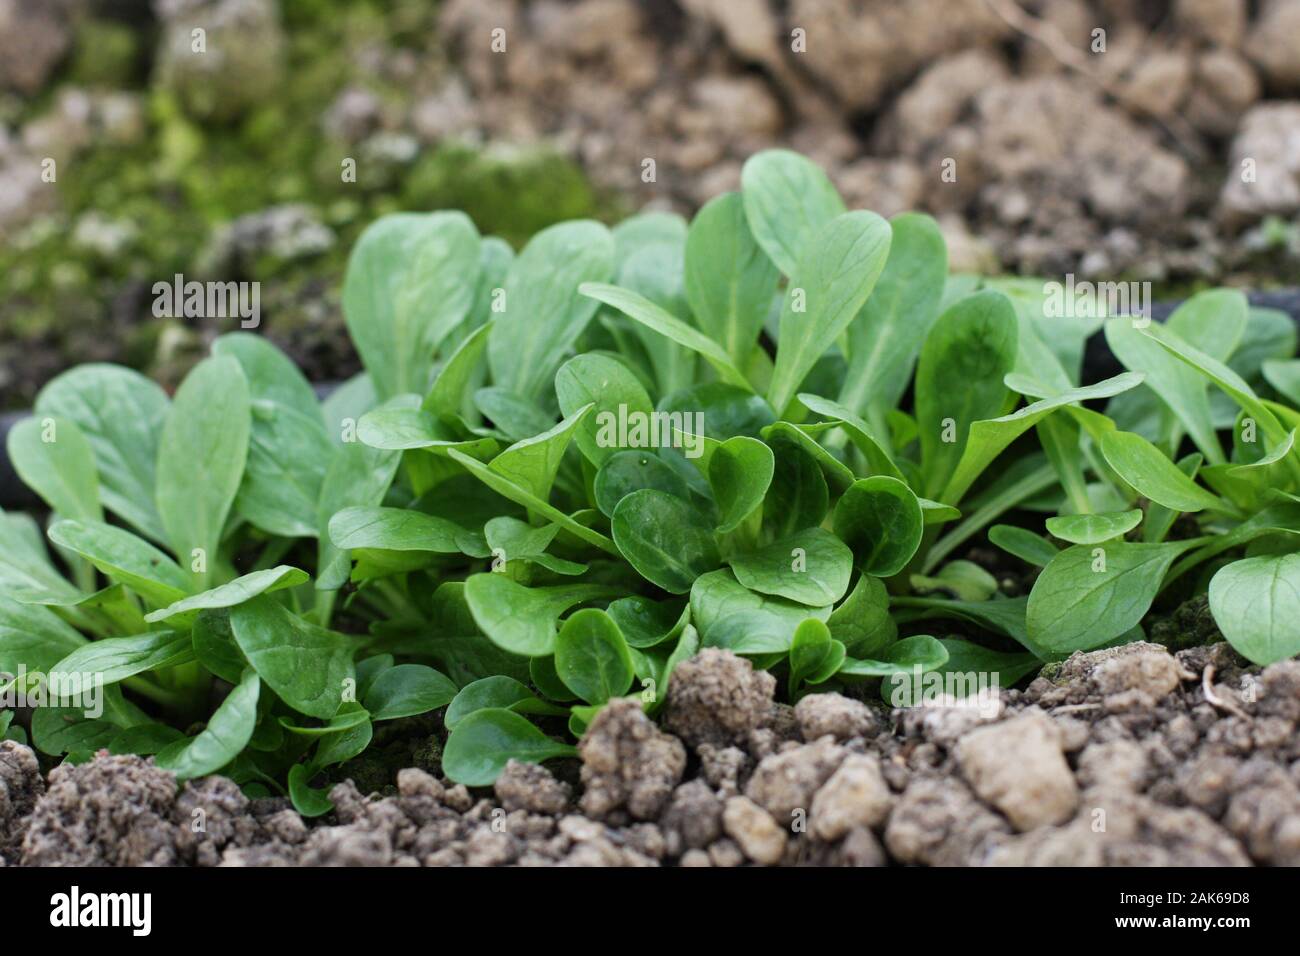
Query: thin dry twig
[(1039, 30)]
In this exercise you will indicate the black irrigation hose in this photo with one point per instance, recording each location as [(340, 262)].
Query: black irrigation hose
[(1099, 363)]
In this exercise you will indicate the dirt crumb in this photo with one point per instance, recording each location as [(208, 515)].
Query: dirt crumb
[(758, 835), (628, 762), (785, 783), (939, 822), (112, 811), (717, 697), (531, 787), (21, 785), (856, 795), (841, 717), (1034, 789), (693, 818)]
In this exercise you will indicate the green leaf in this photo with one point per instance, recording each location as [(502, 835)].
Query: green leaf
[(1087, 596), (447, 396), (836, 272), (1146, 469), (859, 432), (201, 459), (343, 720), (880, 520), (507, 488), (486, 740), (862, 622), (544, 313), (592, 658), (917, 654), (117, 658), (121, 414), (665, 539), (1284, 375), (1225, 378), (629, 471), (55, 460), (288, 454), (1001, 615), (787, 199), (496, 691), (740, 472), (125, 558), (973, 343), (25, 564), (228, 731), (519, 541), (974, 670), (410, 281), (511, 415), (885, 338), (33, 638), (718, 595), (989, 438), (359, 476), (306, 665), (1256, 603), (523, 620), (215, 647), (238, 591), (813, 652), (810, 567), (308, 801), (638, 307), (730, 281), (407, 690), (289, 448), (1094, 528), (1024, 544), (645, 623), (964, 580), (272, 376), (837, 474), (798, 497), (614, 394), (531, 464), (402, 529)]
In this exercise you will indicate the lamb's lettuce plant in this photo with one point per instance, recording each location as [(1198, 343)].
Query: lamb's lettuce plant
[(564, 472)]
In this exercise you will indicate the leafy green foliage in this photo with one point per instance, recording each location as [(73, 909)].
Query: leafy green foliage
[(535, 502)]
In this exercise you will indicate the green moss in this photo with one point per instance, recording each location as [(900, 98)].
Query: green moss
[(508, 196), (105, 54)]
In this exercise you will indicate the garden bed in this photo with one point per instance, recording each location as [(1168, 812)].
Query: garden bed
[(736, 540), (1131, 756)]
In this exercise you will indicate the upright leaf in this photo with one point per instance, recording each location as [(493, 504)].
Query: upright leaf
[(973, 343), (201, 461), (836, 271), (55, 460), (410, 281), (787, 199), (121, 414), (886, 336), (730, 281), (544, 314)]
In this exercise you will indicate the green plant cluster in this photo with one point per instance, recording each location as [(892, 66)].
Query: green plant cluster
[(477, 523)]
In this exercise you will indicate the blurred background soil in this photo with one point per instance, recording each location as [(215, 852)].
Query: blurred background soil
[(1114, 139)]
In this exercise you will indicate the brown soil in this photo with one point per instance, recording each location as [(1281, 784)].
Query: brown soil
[(1117, 757)]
